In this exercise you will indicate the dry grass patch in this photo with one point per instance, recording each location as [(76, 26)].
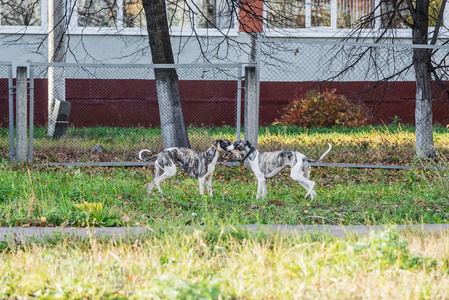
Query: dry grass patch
[(220, 264)]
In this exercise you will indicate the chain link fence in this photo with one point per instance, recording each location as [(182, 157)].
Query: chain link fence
[(381, 76), (112, 111), (6, 133)]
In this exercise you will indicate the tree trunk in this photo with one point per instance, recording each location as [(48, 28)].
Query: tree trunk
[(174, 132), (422, 65), (56, 53), (423, 109)]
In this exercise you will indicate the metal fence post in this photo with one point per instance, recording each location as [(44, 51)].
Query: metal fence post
[(239, 102), (251, 106), (11, 115), (21, 111), (31, 141)]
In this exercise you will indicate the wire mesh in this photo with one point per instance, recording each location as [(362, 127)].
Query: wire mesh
[(4, 111), (115, 111), (381, 76)]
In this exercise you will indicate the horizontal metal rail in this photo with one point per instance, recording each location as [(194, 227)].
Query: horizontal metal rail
[(356, 44), (364, 166), (115, 164), (234, 164), (137, 66)]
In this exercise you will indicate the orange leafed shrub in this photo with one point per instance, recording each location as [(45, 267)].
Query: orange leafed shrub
[(324, 109)]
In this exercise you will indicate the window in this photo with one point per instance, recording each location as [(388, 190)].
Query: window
[(286, 14), (205, 14), (330, 14), (96, 13), (350, 13), (20, 12), (178, 12), (181, 13), (213, 14), (320, 13), (395, 14), (133, 14)]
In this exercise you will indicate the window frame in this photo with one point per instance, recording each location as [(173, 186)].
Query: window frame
[(333, 31), (74, 29), (308, 32), (20, 29)]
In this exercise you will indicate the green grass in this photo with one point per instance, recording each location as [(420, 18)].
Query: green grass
[(345, 196), (228, 263), (46, 196), (212, 262)]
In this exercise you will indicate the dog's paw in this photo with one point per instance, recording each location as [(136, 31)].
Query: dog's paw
[(311, 194)]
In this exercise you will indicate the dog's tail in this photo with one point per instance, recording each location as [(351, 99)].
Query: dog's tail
[(146, 159), (322, 156)]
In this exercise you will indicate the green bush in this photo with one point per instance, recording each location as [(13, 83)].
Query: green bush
[(324, 109)]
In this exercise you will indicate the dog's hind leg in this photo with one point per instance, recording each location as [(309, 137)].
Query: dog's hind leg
[(158, 174), (307, 173), (169, 171), (308, 185), (299, 176)]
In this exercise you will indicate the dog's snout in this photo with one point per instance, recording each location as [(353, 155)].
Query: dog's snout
[(223, 144), (229, 148)]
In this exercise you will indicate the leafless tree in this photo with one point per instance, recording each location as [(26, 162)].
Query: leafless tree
[(425, 19), (173, 127), (247, 14)]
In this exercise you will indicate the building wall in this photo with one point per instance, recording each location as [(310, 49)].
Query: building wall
[(284, 70)]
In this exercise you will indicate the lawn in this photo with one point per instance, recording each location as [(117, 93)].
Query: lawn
[(219, 260), (212, 263), (46, 196)]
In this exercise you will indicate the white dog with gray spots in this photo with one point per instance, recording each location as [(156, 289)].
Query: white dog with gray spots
[(199, 165), (268, 164)]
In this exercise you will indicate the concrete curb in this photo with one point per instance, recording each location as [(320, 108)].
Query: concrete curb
[(21, 234)]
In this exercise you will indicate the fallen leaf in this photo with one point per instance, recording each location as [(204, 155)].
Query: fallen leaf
[(90, 207)]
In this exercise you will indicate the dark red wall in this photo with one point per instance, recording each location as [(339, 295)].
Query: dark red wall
[(124, 103), (385, 100), (116, 102)]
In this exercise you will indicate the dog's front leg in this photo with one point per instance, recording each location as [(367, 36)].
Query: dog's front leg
[(209, 185), (264, 190), (201, 183), (260, 186)]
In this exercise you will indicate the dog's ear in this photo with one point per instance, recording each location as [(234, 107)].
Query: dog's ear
[(247, 144)]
